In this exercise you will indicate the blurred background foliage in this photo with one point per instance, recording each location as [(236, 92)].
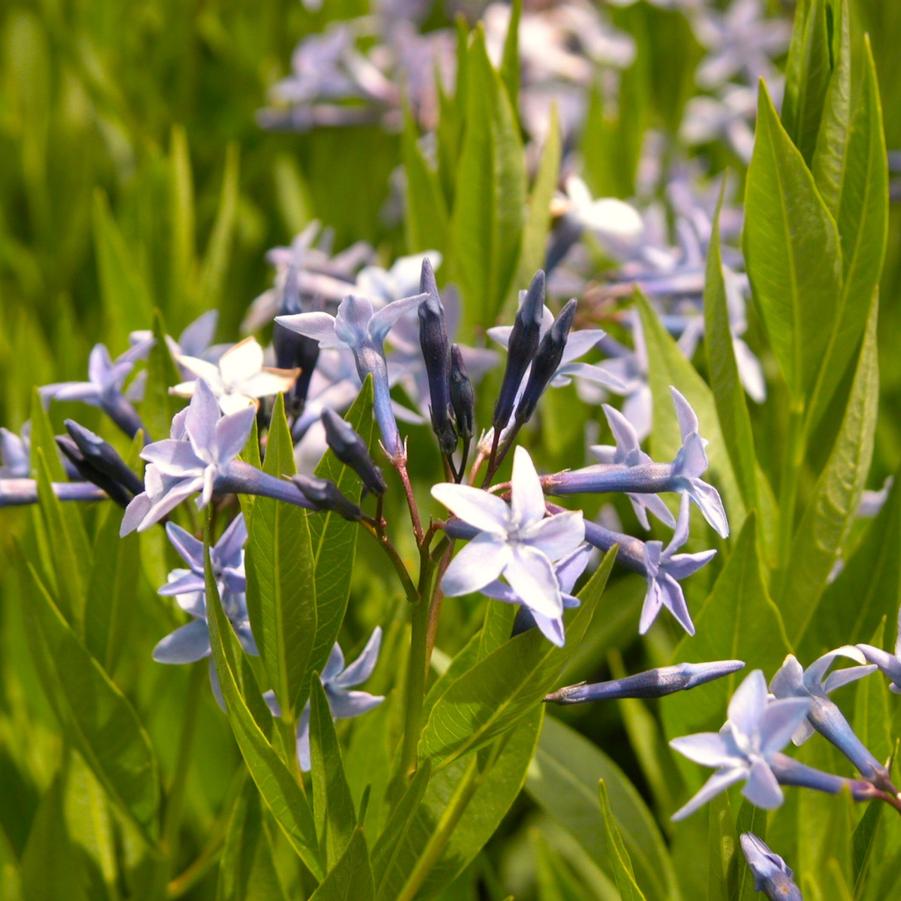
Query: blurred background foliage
[(134, 177)]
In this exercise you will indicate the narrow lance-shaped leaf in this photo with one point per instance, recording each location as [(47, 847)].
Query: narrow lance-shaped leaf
[(246, 867), (426, 218), (351, 877), (668, 366), (489, 203), (828, 517), (728, 393), (333, 806), (808, 72), (334, 539), (851, 169), (502, 687), (277, 785), (617, 852), (792, 252), (95, 714), (281, 589)]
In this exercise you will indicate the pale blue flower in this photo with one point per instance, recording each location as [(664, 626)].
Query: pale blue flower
[(639, 476), (655, 683), (743, 749), (567, 571), (516, 541), (889, 664), (772, 875), (361, 328), (741, 41), (226, 559), (199, 457), (104, 388), (191, 642), (823, 714), (661, 566), (15, 453), (338, 681)]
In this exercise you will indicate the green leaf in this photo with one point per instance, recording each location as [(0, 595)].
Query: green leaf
[(181, 216), (792, 252), (124, 290), (426, 218), (510, 59), (808, 72), (351, 877), (109, 602), (538, 218), (563, 780), (69, 547), (278, 787), (851, 171), (158, 406), (218, 251), (668, 367), (827, 519), (246, 868), (334, 539), (872, 714), (617, 852), (333, 807), (463, 806), (738, 621), (728, 392), (97, 717), (281, 589), (871, 575), (504, 686), (488, 212), (400, 820)]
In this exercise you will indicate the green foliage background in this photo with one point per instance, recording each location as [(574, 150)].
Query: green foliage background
[(134, 178)]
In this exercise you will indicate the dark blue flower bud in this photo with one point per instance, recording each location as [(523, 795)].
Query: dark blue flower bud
[(293, 350), (520, 349), (84, 468), (547, 359), (325, 496), (103, 457), (436, 354), (461, 395), (351, 450)]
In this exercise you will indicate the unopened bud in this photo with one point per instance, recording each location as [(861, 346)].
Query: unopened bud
[(325, 495), (435, 352), (351, 450), (520, 349), (461, 395), (547, 359)]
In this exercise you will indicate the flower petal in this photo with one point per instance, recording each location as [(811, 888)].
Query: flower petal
[(557, 536), (527, 504), (705, 748), (232, 432), (188, 644), (779, 722), (189, 548), (318, 326), (361, 669), (380, 324), (717, 783), (201, 418), (345, 704), (532, 577), (485, 511), (762, 789), (748, 703), (241, 362), (478, 563)]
